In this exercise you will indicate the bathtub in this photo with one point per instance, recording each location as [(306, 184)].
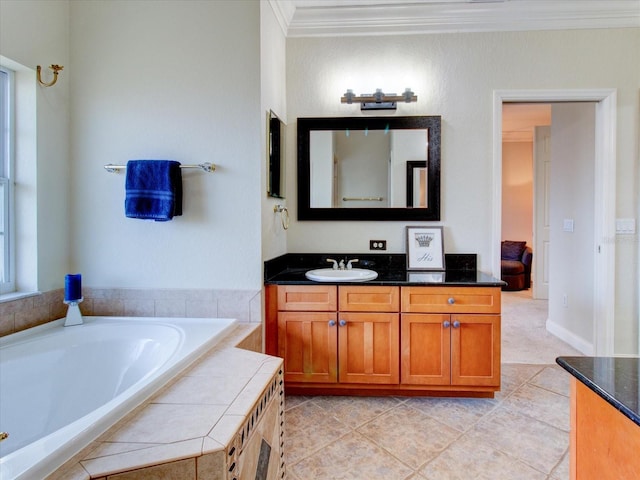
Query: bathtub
[(61, 387)]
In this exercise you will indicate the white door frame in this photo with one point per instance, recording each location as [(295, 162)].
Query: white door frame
[(605, 197)]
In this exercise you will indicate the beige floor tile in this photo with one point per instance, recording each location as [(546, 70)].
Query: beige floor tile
[(291, 401), (459, 413), (465, 459), (352, 457), (561, 472), (554, 379), (409, 435), (536, 443), (514, 376), (355, 411), (540, 404), (308, 428)]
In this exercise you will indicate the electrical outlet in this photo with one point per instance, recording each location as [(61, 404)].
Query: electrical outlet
[(377, 244)]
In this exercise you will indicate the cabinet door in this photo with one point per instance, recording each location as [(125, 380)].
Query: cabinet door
[(368, 348), (475, 350), (308, 343), (425, 349)]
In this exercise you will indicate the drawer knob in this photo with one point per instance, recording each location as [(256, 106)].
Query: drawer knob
[(451, 300), (343, 323), (446, 324), (332, 323), (456, 324)]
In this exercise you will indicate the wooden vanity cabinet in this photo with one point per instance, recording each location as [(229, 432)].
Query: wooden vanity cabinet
[(355, 341), (456, 348), (386, 340), (443, 349)]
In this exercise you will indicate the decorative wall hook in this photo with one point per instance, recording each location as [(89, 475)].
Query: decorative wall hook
[(284, 215), (55, 68)]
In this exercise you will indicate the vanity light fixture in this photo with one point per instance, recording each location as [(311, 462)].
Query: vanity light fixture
[(379, 100)]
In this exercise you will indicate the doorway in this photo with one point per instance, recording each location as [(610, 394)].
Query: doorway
[(604, 205)]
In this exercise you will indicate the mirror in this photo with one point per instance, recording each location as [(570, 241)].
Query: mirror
[(275, 156), (369, 168)]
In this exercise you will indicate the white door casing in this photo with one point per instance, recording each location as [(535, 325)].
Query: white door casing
[(604, 196)]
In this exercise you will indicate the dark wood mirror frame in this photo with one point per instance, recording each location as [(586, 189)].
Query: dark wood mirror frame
[(307, 125), (275, 156)]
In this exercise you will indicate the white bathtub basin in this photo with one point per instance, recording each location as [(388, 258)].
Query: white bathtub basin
[(350, 275), (61, 387)]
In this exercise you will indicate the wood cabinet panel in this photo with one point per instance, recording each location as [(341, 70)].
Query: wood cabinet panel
[(368, 299), (394, 340), (425, 349), (368, 345), (308, 343), (450, 299), (604, 443), (441, 349), (475, 350), (308, 298)]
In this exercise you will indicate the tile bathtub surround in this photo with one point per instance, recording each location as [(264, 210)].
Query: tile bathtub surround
[(523, 433), (199, 426), (40, 308)]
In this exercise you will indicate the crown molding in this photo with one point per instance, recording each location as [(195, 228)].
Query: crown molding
[(311, 19), (283, 11)]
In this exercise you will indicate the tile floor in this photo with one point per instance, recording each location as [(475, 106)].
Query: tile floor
[(522, 433)]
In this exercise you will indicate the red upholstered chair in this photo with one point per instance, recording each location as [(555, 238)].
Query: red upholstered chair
[(515, 265)]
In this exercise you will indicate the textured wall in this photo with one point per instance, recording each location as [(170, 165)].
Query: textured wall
[(455, 75)]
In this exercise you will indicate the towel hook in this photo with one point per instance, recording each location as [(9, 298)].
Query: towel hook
[(284, 215), (56, 69)]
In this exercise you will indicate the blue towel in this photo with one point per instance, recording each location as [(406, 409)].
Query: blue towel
[(153, 190)]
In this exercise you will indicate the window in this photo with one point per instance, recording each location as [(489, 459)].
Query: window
[(7, 280)]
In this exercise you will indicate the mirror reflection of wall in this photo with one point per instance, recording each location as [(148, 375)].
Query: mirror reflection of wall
[(364, 168)]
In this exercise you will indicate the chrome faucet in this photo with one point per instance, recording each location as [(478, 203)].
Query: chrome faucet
[(335, 264), (341, 265)]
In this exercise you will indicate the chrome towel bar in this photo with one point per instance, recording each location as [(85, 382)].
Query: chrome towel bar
[(207, 167), (362, 199)]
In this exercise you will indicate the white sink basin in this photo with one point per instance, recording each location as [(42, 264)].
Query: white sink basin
[(331, 275)]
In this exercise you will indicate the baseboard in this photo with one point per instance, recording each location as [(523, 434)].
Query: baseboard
[(571, 338)]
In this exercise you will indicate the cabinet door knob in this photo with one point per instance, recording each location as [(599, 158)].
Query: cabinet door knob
[(456, 324), (446, 324), (343, 323), (451, 300), (332, 323)]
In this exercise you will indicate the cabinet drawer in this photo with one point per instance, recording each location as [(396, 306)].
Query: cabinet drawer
[(451, 299), (369, 299), (308, 298)]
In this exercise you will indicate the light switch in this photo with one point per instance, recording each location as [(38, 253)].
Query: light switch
[(626, 226), (567, 225)]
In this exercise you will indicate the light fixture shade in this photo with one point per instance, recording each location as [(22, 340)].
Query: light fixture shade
[(379, 100)]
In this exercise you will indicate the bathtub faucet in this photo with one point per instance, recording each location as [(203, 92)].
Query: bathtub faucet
[(74, 317)]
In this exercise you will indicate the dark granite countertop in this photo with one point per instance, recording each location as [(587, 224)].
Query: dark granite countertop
[(461, 270), (615, 379)]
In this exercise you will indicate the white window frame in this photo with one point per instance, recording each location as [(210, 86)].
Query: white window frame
[(7, 221)]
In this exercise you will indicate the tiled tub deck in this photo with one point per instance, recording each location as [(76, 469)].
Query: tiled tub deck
[(221, 419)]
